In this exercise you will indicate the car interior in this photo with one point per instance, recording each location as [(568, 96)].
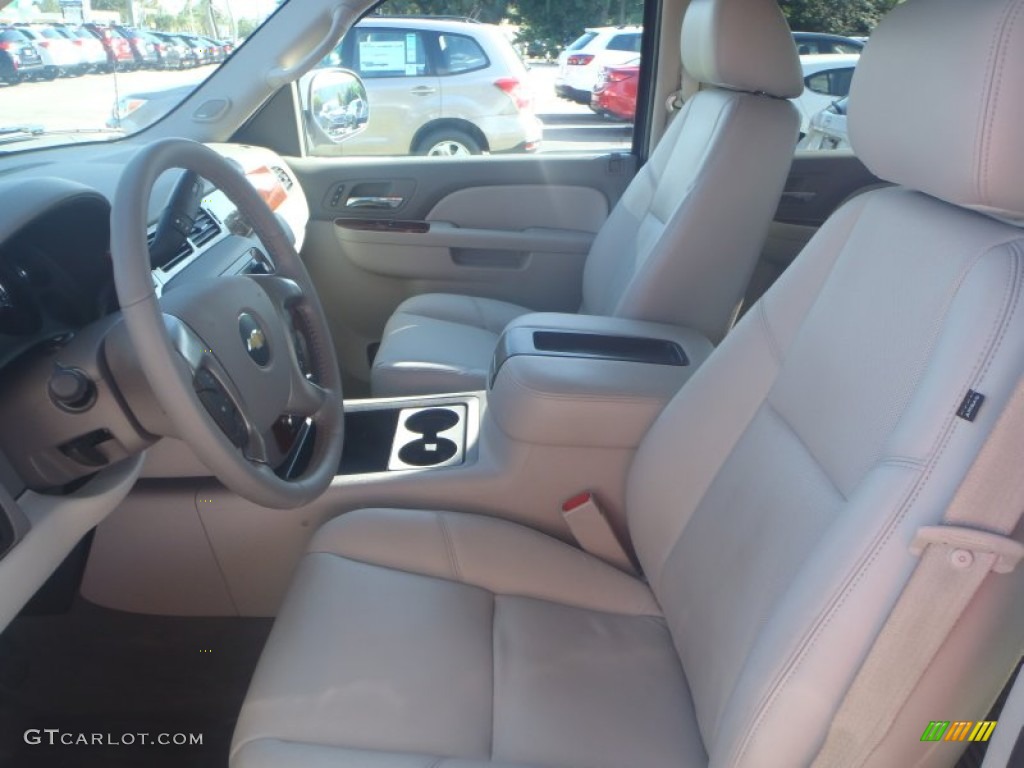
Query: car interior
[(702, 454)]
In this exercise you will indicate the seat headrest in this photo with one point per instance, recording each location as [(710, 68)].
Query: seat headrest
[(937, 104), (743, 45)]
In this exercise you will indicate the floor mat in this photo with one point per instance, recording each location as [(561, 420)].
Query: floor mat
[(123, 689)]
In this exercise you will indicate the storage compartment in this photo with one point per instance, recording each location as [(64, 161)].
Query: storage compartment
[(623, 347), (588, 381), (632, 349), (368, 439)]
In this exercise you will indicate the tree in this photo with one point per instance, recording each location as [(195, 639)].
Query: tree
[(490, 11), (845, 17)]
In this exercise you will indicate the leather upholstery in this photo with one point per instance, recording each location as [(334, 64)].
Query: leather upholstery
[(447, 595), (772, 505), (680, 244), (970, 154), (742, 46), (438, 342)]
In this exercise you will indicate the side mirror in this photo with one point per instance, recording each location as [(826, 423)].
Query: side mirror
[(336, 106)]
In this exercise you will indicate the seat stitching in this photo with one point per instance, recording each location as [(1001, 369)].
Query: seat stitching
[(807, 449), (1011, 302), (449, 546), (773, 344), (494, 670), (635, 612), (997, 61)]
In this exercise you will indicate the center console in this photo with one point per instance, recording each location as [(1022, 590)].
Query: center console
[(579, 380), (570, 399)]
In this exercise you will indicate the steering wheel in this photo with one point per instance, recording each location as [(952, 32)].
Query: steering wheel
[(227, 357)]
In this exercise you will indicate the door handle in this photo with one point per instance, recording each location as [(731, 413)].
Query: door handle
[(380, 202), (799, 197), (423, 90)]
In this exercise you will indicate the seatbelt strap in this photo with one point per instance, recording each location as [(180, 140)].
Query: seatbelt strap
[(593, 532), (956, 557)]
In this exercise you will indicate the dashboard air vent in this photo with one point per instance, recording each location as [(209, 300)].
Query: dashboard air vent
[(205, 229), (283, 177), (182, 253)]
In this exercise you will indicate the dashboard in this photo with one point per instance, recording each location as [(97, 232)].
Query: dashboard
[(65, 417)]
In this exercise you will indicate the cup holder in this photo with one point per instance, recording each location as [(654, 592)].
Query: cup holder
[(429, 437), (432, 421)]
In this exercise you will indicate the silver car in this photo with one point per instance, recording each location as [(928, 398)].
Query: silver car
[(438, 87)]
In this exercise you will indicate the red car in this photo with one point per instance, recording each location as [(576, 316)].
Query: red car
[(119, 50), (615, 92)]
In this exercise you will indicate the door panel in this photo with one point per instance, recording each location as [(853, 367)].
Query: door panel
[(818, 183), (515, 229)]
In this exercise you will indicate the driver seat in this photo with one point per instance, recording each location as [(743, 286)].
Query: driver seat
[(771, 505)]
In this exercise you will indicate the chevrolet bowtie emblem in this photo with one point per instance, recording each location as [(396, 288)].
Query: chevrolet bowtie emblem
[(254, 338)]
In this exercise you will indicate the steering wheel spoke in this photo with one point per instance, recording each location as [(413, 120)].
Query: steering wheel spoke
[(283, 291)]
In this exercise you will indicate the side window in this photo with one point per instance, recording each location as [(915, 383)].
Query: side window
[(630, 43), (516, 79), (389, 53), (832, 82), (460, 54)]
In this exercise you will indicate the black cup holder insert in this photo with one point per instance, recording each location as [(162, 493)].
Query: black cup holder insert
[(429, 437)]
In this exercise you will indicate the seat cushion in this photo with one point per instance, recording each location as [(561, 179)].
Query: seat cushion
[(439, 342), (414, 638)]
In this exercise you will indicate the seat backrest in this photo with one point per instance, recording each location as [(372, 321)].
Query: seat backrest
[(773, 502), (680, 245)]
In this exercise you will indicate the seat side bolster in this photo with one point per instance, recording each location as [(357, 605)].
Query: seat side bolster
[(484, 552)]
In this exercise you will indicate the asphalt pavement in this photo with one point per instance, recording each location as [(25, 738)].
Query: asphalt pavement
[(87, 102)]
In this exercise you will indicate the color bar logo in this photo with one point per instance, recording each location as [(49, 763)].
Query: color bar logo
[(959, 730)]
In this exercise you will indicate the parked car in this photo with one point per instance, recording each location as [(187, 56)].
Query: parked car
[(172, 52), (217, 49), (811, 43), (827, 78), (200, 49), (117, 47), (94, 56), (614, 94), (19, 57), (827, 129), (438, 87), (579, 65), (143, 47), (60, 56)]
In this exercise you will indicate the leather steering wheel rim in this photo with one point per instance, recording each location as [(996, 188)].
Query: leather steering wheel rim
[(160, 335)]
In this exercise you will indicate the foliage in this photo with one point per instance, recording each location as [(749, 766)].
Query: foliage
[(841, 17), (550, 25), (491, 11)]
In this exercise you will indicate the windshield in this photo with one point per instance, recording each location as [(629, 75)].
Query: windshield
[(81, 71)]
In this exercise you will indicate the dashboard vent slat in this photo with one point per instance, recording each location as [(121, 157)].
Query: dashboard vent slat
[(205, 229), (182, 253)]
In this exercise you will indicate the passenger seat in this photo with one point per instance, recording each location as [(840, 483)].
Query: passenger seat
[(681, 244)]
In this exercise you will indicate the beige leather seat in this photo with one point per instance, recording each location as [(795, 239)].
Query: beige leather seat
[(771, 505), (680, 245)]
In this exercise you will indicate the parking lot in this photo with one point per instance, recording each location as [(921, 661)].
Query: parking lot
[(72, 103)]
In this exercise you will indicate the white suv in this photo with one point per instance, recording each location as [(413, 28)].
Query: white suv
[(582, 61), (438, 87)]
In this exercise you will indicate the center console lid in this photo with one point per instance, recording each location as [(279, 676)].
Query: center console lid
[(561, 379)]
